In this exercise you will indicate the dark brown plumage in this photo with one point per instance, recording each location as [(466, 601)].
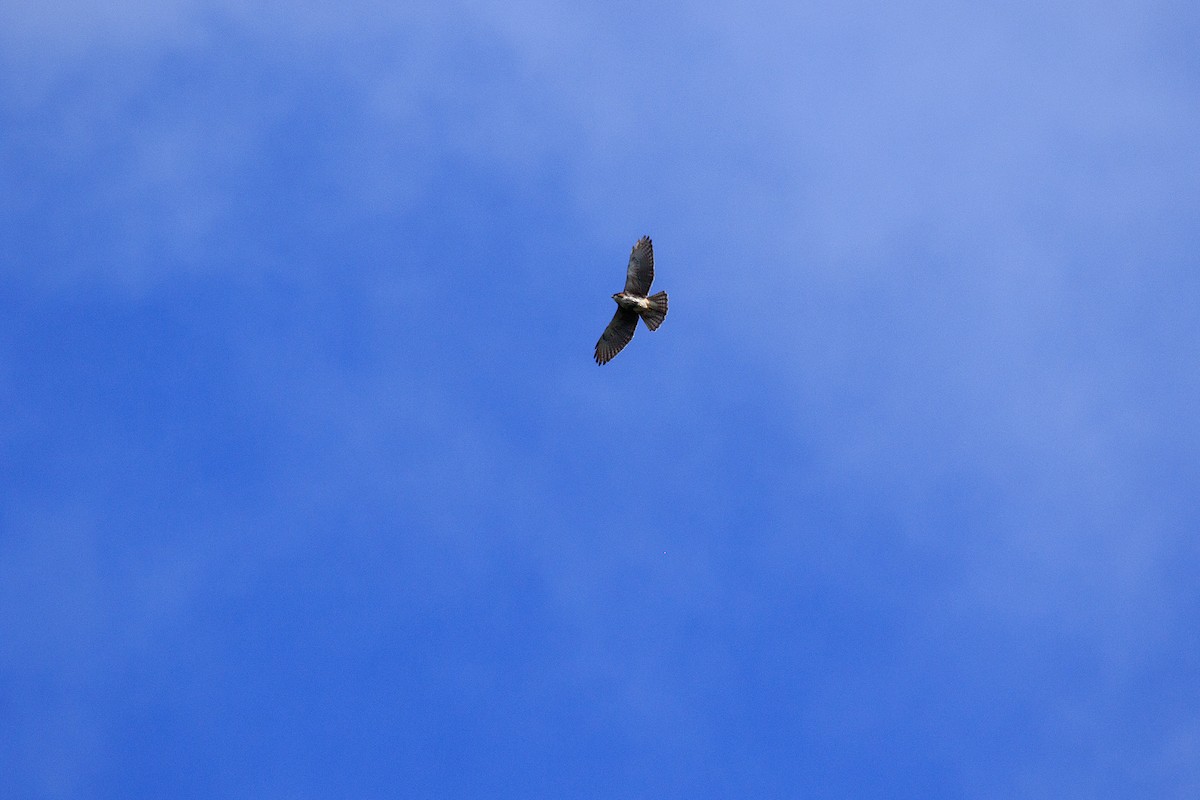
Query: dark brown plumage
[(633, 303)]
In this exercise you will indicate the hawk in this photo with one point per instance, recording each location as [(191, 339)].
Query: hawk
[(633, 303)]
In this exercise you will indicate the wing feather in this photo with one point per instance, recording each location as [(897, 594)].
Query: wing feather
[(641, 268), (616, 335)]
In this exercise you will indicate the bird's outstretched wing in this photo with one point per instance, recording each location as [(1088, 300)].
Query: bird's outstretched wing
[(641, 268), (616, 335)]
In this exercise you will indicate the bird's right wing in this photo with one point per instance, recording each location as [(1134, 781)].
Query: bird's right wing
[(641, 268), (616, 335)]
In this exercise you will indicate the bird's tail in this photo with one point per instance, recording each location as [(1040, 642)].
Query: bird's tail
[(657, 311)]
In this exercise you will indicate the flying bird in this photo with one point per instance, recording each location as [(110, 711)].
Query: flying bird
[(633, 303)]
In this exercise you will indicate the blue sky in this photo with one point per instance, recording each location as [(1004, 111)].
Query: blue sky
[(309, 486)]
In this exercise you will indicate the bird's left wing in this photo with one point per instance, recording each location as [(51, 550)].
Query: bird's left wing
[(616, 335), (641, 268)]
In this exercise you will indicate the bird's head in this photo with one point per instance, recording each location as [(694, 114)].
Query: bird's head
[(616, 295)]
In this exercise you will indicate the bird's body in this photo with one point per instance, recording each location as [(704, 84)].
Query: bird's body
[(632, 301), (636, 301)]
